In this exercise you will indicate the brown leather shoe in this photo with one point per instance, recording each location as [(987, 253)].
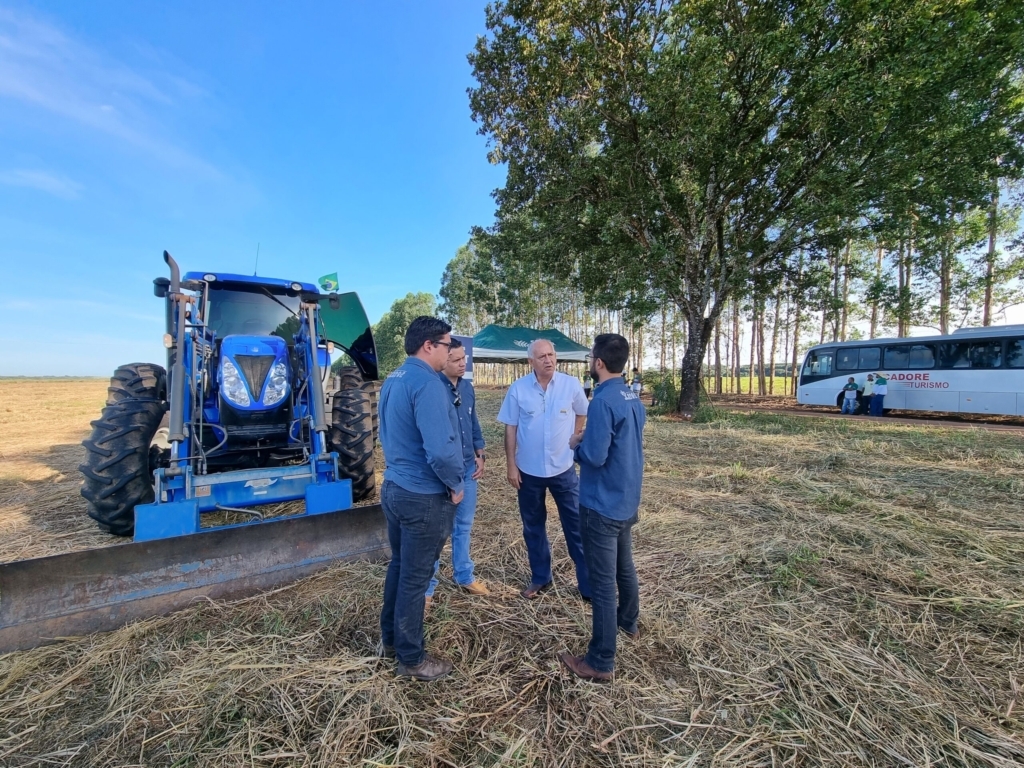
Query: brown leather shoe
[(476, 588), (428, 670), (634, 636), (579, 667), (534, 591)]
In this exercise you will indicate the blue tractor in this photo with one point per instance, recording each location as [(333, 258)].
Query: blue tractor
[(241, 416)]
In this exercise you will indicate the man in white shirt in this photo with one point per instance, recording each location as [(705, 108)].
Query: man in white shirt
[(541, 412)]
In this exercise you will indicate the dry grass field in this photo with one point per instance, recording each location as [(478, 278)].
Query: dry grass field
[(814, 592)]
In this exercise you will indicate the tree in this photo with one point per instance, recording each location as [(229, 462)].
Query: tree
[(389, 332), (681, 146)]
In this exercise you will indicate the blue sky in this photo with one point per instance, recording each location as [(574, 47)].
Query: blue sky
[(337, 136)]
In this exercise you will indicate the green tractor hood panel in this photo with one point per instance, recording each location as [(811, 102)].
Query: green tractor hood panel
[(346, 324)]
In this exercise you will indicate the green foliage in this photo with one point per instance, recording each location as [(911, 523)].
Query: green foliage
[(688, 148), (389, 333)]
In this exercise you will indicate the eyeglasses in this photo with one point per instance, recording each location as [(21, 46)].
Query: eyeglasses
[(458, 399), (442, 344)]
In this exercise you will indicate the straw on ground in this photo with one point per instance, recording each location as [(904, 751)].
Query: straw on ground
[(814, 593)]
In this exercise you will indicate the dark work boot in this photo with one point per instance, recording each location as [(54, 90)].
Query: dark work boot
[(427, 670)]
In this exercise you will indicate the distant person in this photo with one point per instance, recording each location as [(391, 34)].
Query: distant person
[(541, 411), (610, 453), (850, 396), (588, 385), (865, 393), (637, 385), (472, 439), (423, 484), (878, 396)]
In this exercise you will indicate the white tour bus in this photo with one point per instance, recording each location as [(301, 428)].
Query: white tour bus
[(975, 370)]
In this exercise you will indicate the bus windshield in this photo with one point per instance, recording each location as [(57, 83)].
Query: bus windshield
[(252, 310)]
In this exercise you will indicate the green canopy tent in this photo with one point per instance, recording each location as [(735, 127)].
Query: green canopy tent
[(498, 344)]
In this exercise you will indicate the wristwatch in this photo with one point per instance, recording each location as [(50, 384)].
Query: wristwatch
[(482, 455)]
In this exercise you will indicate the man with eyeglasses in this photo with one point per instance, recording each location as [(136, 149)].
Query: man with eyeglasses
[(423, 485), (541, 412), (464, 399)]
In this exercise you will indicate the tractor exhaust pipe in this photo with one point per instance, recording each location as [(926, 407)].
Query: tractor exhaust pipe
[(176, 425)]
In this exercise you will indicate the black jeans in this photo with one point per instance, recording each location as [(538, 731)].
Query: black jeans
[(418, 525), (565, 490), (608, 548)]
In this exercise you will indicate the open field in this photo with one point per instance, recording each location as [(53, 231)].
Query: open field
[(814, 592)]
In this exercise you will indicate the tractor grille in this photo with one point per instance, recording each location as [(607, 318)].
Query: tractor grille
[(255, 369)]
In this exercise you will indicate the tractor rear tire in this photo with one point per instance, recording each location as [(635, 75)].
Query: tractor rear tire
[(351, 437), (349, 377), (137, 381), (372, 389), (119, 463)]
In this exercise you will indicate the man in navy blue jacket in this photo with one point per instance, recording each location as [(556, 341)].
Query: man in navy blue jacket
[(423, 484), (610, 453)]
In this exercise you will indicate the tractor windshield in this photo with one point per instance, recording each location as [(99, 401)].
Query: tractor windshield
[(253, 310)]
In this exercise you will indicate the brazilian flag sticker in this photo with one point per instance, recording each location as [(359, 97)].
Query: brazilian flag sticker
[(329, 282)]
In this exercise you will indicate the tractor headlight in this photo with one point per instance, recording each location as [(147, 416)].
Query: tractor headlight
[(277, 385), (231, 384)]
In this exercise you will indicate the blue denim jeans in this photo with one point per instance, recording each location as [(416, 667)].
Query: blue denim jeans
[(876, 404), (462, 563), (418, 524), (608, 546), (849, 405), (565, 490)]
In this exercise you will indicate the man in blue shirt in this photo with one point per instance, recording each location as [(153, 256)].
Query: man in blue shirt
[(610, 453), (423, 484), (464, 400)]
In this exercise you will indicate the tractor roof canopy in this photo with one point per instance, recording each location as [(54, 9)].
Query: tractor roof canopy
[(272, 282)]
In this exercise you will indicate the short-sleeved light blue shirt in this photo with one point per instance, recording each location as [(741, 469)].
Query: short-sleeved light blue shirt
[(544, 422)]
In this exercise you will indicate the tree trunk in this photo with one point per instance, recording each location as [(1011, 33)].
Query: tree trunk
[(698, 335), (846, 292), (874, 303), (775, 344), (718, 356), (736, 346), (945, 278), (753, 348), (796, 323), (990, 258)]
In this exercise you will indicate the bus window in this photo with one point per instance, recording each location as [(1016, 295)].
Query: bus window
[(846, 359), (870, 358), (1015, 353), (954, 355), (897, 357), (986, 354), (922, 356), (910, 356), (818, 364)]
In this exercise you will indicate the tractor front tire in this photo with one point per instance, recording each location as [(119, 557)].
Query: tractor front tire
[(137, 381), (119, 463), (351, 437)]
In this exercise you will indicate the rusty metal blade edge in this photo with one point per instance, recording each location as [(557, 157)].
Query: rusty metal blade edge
[(98, 590)]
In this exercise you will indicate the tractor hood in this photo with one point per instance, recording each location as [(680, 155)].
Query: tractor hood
[(253, 373)]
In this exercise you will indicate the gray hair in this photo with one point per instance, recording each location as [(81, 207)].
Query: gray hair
[(533, 346)]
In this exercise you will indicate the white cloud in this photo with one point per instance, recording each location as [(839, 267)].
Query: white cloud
[(59, 186), (43, 67)]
